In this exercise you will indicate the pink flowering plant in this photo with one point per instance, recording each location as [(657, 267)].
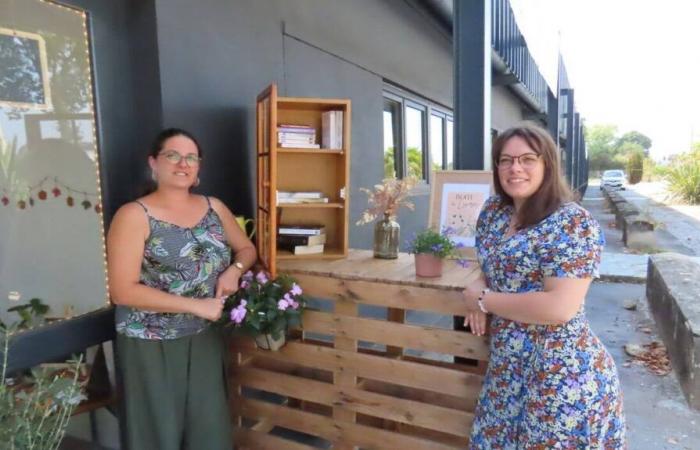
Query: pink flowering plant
[(263, 305)]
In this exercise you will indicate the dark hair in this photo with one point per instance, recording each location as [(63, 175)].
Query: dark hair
[(168, 133), (553, 192), (157, 146)]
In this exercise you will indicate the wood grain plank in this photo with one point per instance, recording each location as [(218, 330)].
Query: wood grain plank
[(333, 430), (247, 439), (424, 338), (410, 412), (451, 381)]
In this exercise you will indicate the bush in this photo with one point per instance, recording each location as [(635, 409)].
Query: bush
[(684, 178), (635, 167)]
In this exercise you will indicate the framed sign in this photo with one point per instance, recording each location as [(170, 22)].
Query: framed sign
[(23, 70), (456, 198)]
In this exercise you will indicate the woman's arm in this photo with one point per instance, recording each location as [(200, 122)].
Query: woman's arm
[(125, 246), (244, 251), (555, 305)]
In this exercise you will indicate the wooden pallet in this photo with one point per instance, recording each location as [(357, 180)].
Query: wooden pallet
[(346, 396)]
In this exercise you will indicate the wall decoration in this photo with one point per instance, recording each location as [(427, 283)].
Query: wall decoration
[(456, 198)]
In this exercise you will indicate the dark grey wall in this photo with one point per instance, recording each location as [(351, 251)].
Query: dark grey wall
[(215, 57)]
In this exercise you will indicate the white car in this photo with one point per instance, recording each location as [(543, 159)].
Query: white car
[(613, 179)]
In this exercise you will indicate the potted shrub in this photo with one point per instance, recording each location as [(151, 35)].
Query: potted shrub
[(430, 248), (265, 308)]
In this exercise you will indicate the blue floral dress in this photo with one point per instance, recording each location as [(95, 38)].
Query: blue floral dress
[(547, 386)]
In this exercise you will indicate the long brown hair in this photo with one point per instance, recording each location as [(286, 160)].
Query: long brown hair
[(552, 193)]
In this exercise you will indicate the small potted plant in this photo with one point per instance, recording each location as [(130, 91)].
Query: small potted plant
[(385, 202), (430, 248), (265, 308)]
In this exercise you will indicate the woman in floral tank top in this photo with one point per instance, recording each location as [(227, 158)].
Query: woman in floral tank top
[(550, 382), (170, 267)]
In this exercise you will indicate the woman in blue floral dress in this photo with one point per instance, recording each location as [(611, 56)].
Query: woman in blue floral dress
[(550, 382), (170, 269)]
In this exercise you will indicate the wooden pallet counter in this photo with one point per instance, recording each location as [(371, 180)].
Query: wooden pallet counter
[(374, 383)]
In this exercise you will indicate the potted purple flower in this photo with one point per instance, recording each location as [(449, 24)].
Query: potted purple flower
[(265, 308), (430, 249)]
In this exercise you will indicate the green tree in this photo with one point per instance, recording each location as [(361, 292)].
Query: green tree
[(635, 137), (635, 164), (600, 142), (415, 162), (389, 163)]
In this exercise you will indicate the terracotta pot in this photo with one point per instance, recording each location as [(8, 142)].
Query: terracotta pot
[(267, 342), (428, 265)]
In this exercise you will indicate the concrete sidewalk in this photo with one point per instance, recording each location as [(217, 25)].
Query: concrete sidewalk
[(658, 416)]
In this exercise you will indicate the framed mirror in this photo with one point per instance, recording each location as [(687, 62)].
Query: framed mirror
[(51, 223)]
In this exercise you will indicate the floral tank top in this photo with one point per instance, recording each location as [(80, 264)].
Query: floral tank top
[(181, 261)]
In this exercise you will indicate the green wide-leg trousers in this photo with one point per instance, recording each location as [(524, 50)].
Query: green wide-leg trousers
[(175, 393)]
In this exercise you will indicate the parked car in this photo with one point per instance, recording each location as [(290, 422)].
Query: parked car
[(613, 179)]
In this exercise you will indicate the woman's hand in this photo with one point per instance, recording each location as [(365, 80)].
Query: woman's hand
[(208, 308), (227, 284), (476, 320), (471, 294)]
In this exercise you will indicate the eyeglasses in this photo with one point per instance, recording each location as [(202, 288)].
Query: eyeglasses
[(174, 157), (527, 161)]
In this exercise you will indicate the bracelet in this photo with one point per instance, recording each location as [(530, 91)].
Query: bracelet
[(480, 300)]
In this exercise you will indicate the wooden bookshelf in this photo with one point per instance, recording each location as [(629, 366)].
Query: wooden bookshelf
[(325, 170)]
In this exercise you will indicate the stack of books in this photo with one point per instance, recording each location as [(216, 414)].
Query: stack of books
[(332, 129), (296, 136), (302, 239), (287, 197)]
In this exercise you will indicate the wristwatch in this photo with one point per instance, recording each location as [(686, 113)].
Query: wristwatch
[(238, 265), (480, 300)]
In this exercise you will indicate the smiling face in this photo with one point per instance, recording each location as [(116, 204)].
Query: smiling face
[(168, 170), (521, 179)]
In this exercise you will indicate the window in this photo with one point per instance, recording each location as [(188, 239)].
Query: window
[(392, 139), (417, 135)]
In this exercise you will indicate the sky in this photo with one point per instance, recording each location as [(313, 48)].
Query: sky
[(632, 63)]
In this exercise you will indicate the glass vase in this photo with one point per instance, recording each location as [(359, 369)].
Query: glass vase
[(386, 238)]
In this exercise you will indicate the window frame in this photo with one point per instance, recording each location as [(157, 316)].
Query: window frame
[(429, 108)]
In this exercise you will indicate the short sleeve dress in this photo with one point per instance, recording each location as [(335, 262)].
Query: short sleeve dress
[(547, 386)]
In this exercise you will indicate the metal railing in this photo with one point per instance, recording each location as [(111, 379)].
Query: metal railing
[(509, 43)]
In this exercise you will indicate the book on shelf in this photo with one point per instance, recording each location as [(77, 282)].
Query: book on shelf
[(301, 230), (296, 128), (287, 139), (332, 129), (305, 249), (294, 201), (287, 241), (299, 194), (299, 145)]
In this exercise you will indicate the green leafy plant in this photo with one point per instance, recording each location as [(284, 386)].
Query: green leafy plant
[(438, 244), (264, 305), (34, 413), (684, 177), (30, 314)]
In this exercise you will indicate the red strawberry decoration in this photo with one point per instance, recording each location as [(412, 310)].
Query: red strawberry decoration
[(70, 201), (41, 194), (21, 204), (98, 208), (56, 191), (86, 204), (5, 201)]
